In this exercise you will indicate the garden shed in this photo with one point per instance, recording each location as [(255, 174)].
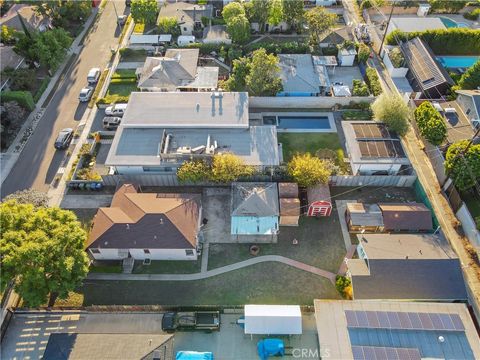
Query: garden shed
[(319, 200), (364, 217), (289, 204)]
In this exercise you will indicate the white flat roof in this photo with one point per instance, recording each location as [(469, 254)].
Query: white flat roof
[(415, 23), (273, 319), (187, 109), (273, 310)]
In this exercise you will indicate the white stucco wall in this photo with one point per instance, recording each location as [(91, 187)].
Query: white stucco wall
[(393, 71), (139, 254), (369, 169)]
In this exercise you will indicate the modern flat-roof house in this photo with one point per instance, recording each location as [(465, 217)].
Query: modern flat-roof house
[(301, 76), (387, 330), (255, 211), (409, 217), (373, 149), (146, 226), (160, 130), (414, 23), (78, 346), (408, 267), (362, 217), (176, 71), (426, 75), (469, 101), (189, 16)]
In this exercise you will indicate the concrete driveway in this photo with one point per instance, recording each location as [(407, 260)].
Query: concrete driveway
[(38, 163)]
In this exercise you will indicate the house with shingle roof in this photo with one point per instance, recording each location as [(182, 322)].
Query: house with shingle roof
[(255, 212), (146, 226)]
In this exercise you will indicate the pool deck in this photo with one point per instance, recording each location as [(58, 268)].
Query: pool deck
[(329, 115)]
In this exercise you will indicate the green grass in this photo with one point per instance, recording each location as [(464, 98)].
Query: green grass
[(356, 115), (130, 55), (117, 93), (168, 267), (267, 283), (320, 244), (293, 143)]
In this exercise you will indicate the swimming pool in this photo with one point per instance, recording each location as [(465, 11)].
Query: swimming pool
[(457, 61), (304, 122), (449, 23)]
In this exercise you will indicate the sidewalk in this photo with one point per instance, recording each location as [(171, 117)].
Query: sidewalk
[(9, 158), (218, 271)]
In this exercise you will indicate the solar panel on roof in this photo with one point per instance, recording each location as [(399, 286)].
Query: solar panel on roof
[(403, 320), (384, 353), (380, 148)]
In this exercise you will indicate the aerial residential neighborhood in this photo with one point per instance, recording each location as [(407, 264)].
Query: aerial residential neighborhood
[(240, 179)]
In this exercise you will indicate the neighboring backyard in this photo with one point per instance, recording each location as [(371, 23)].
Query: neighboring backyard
[(266, 283), (320, 244), (293, 143)]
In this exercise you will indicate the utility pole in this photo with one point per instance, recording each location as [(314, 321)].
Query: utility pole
[(386, 29)]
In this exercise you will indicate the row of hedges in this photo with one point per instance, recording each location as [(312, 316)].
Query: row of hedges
[(373, 82), (360, 88), (291, 47), (41, 89), (453, 41), (472, 15), (124, 74), (124, 81), (23, 98)]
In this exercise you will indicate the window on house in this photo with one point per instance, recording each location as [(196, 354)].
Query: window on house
[(146, 251), (189, 252), (95, 251)]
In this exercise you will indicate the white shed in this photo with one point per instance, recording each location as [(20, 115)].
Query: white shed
[(346, 57), (273, 320), (184, 40)]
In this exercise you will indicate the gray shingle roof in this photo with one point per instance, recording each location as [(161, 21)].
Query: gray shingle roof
[(255, 199)]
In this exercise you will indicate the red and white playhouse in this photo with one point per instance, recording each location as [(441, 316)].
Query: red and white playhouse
[(319, 201)]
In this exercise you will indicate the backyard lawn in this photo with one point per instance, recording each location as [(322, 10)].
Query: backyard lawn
[(267, 283), (320, 244), (293, 143)]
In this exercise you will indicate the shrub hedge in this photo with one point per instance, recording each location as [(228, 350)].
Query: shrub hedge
[(472, 15), (291, 47), (360, 88), (23, 98), (41, 89), (452, 41), (373, 82)]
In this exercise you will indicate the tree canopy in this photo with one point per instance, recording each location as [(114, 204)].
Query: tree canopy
[(308, 170), (169, 25), (470, 80), (275, 13), (259, 12), (194, 171), (29, 196), (393, 111), (462, 166), (240, 70), (144, 11), (232, 10), (430, 123), (363, 53), (264, 76), (229, 167), (319, 21), (42, 249), (293, 12), (64, 12), (238, 27)]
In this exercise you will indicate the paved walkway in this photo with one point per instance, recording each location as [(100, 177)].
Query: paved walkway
[(87, 201), (205, 249), (215, 272), (343, 267)]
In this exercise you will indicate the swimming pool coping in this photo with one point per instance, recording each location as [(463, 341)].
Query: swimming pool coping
[(329, 115)]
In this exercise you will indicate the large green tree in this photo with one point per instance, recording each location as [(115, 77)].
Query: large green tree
[(194, 171), (462, 166), (169, 25), (258, 12), (232, 10), (470, 80), (319, 21), (275, 14), (62, 12), (393, 111), (308, 170), (42, 249), (144, 11), (238, 27), (293, 12), (430, 123), (263, 78), (236, 81)]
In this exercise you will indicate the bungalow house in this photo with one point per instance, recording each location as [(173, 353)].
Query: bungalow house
[(406, 267), (469, 101), (373, 149), (289, 204), (427, 76), (189, 16), (408, 217), (301, 76), (30, 18), (362, 217), (161, 130), (146, 226), (176, 71), (255, 211)]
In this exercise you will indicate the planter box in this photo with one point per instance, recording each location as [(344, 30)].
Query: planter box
[(393, 71)]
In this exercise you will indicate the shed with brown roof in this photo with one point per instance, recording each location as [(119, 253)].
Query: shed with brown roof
[(363, 217), (146, 226), (410, 217), (319, 200), (289, 211), (288, 190)]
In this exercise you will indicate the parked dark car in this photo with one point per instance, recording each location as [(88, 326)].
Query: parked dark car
[(64, 138), (207, 321)]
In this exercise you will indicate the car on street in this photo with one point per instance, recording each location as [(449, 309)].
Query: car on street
[(122, 19), (111, 122), (93, 75), (85, 94), (116, 110), (64, 138)]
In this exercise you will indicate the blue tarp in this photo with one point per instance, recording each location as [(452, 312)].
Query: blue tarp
[(194, 355), (270, 347)]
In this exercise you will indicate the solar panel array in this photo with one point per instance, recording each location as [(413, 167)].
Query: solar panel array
[(381, 149), (371, 131), (384, 353), (403, 320)]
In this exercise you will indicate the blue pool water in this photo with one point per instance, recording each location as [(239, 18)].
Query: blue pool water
[(304, 122), (449, 23), (457, 61)]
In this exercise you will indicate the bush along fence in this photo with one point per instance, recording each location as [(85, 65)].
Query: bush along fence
[(83, 175)]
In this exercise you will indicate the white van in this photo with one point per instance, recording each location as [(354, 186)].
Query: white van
[(116, 110), (93, 75)]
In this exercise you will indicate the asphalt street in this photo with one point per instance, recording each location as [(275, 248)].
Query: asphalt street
[(39, 161)]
